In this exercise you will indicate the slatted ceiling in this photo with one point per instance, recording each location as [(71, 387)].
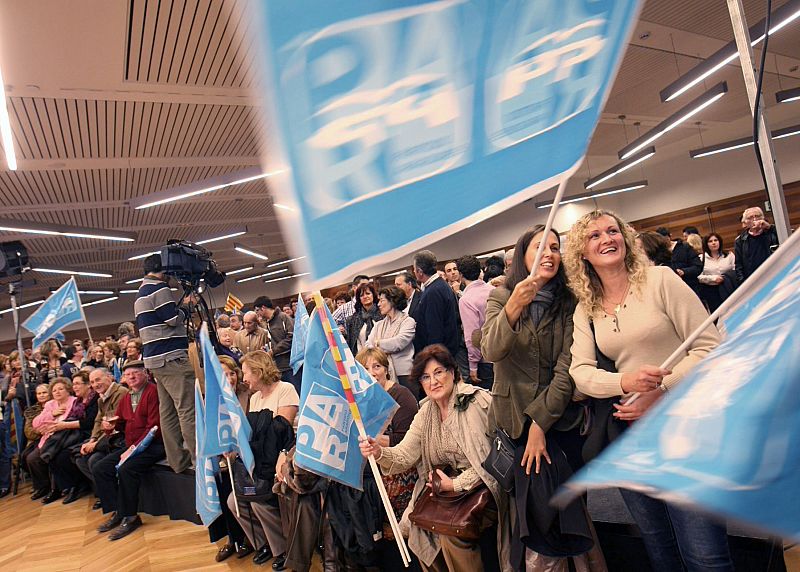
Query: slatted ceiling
[(188, 42), (709, 18)]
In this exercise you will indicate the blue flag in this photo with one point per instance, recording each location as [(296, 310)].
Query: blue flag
[(466, 107), (299, 338), (115, 371), (137, 449), (17, 427), (61, 309), (226, 426), (327, 436), (727, 437), (206, 495)]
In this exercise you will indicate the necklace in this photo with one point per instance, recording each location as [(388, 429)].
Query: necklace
[(619, 307)]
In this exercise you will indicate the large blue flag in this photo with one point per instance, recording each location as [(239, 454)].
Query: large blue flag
[(206, 495), (727, 437), (227, 429), (468, 108), (327, 436), (299, 338), (61, 309)]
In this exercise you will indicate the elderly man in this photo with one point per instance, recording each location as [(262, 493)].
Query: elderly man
[(755, 244), (118, 490), (408, 284), (99, 444), (252, 337), (223, 321)]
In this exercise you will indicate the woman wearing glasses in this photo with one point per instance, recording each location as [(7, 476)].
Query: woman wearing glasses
[(450, 430), (637, 315)]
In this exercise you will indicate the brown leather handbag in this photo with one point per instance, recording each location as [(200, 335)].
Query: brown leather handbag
[(464, 514)]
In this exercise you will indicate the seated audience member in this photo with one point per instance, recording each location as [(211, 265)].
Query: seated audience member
[(226, 339), (718, 278), (280, 402), (223, 321), (365, 315), (118, 490), (237, 541), (101, 442), (656, 246), (67, 477), (112, 354), (49, 424), (133, 351), (40, 488), (757, 241), (450, 429), (472, 309), (395, 335), (53, 361), (96, 356)]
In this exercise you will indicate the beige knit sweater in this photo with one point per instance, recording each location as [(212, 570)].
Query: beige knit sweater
[(651, 324)]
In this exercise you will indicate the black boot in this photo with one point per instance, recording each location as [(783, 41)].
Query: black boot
[(52, 497)]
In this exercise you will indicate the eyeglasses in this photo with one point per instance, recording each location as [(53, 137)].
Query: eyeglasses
[(755, 217), (438, 375)]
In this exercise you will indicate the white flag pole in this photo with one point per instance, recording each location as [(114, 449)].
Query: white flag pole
[(548, 225), (740, 293), (343, 377), (83, 314)]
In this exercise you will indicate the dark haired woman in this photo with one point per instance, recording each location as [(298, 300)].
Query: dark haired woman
[(718, 278), (528, 335), (656, 246), (449, 429), (395, 335), (360, 324)]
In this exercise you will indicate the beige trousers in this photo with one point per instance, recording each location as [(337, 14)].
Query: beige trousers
[(456, 556), (266, 525)]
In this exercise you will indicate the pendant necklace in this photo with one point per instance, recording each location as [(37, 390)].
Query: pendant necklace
[(619, 307)]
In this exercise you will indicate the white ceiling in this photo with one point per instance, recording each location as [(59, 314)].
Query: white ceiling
[(111, 100)]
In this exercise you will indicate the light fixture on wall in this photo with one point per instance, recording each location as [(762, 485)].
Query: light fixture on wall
[(781, 18), (693, 108), (595, 194), (741, 143), (788, 95), (200, 187), (621, 167), (62, 230)]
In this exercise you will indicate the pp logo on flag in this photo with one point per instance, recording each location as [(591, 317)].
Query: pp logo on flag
[(323, 430)]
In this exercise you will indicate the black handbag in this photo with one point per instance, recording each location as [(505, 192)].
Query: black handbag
[(58, 441), (604, 428), (500, 461), (250, 489)]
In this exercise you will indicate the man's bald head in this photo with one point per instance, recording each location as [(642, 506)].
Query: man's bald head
[(100, 379), (251, 321)]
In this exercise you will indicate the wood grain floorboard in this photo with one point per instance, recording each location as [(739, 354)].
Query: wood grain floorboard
[(58, 538)]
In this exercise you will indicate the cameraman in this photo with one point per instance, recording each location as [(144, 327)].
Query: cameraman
[(165, 350)]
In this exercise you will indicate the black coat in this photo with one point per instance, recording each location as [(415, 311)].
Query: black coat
[(357, 321), (745, 265), (270, 436), (437, 318), (684, 258)]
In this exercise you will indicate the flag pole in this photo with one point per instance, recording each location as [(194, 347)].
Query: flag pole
[(548, 226), (735, 297), (83, 314), (345, 380), (233, 487)]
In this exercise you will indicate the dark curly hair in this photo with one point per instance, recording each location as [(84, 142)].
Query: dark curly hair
[(434, 352), (395, 296)]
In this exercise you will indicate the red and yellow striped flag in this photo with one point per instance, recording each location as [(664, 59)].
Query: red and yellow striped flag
[(233, 304)]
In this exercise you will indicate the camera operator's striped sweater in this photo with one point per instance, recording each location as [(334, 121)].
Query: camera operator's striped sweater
[(161, 324)]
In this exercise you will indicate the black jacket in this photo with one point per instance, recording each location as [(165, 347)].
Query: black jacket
[(437, 318), (745, 265), (357, 321), (270, 436), (281, 330), (684, 258)]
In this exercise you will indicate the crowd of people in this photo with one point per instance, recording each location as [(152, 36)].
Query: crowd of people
[(473, 353)]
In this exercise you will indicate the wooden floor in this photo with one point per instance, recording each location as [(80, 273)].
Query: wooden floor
[(62, 538)]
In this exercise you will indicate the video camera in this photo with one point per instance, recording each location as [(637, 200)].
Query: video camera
[(190, 263)]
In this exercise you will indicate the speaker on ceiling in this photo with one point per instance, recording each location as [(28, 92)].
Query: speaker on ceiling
[(13, 259)]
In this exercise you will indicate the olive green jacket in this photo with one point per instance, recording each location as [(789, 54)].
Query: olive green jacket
[(531, 367)]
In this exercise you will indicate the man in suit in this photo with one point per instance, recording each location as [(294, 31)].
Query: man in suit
[(437, 313), (408, 284)]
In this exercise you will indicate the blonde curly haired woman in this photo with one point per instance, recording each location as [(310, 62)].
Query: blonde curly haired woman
[(637, 315)]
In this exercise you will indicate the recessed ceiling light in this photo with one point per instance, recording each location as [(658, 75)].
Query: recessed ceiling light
[(244, 250), (73, 272), (61, 230)]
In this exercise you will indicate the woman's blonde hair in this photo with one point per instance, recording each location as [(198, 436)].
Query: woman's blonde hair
[(377, 354), (63, 381), (696, 243), (229, 362), (581, 275), (262, 365)]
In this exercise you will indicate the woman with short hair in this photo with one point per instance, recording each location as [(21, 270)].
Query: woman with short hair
[(40, 488), (394, 334), (449, 429)]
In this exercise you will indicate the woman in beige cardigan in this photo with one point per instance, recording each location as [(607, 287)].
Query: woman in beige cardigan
[(449, 429)]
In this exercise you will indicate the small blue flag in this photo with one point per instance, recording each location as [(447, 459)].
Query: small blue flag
[(299, 338), (61, 309), (327, 436), (18, 422), (134, 450), (726, 438), (115, 371), (206, 499), (226, 426)]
